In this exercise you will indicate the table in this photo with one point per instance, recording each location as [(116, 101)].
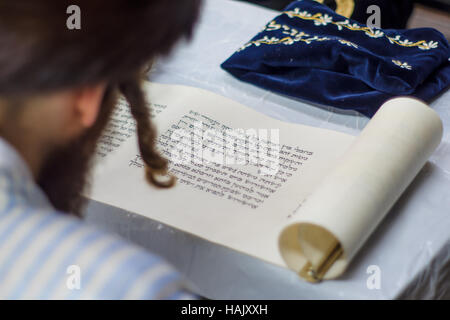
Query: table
[(411, 247)]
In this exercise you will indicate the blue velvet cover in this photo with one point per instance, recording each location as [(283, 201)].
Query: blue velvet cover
[(312, 53)]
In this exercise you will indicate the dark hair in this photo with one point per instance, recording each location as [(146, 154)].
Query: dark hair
[(117, 40)]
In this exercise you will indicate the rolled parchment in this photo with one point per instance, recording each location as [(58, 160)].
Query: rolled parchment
[(338, 217)]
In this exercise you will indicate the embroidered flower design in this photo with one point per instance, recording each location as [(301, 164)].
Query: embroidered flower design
[(340, 24), (290, 36), (309, 40), (272, 26), (406, 42), (375, 33), (267, 39), (290, 32), (392, 40), (288, 41), (428, 45), (297, 12), (354, 26), (305, 14), (403, 65), (323, 20), (348, 43), (300, 35)]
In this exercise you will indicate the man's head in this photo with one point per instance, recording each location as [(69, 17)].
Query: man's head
[(58, 86)]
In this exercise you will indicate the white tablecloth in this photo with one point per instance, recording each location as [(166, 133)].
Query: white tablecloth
[(411, 247)]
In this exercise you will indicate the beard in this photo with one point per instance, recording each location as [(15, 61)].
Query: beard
[(66, 171)]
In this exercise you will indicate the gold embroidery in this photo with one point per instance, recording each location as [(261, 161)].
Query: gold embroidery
[(285, 40), (348, 43), (293, 36), (324, 19), (403, 65), (422, 44)]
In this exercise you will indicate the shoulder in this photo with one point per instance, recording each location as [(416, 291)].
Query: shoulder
[(46, 254)]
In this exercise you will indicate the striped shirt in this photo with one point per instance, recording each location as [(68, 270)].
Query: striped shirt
[(49, 255)]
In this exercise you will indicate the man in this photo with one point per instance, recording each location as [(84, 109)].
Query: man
[(58, 87)]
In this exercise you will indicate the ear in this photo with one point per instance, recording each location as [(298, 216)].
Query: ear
[(87, 104)]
